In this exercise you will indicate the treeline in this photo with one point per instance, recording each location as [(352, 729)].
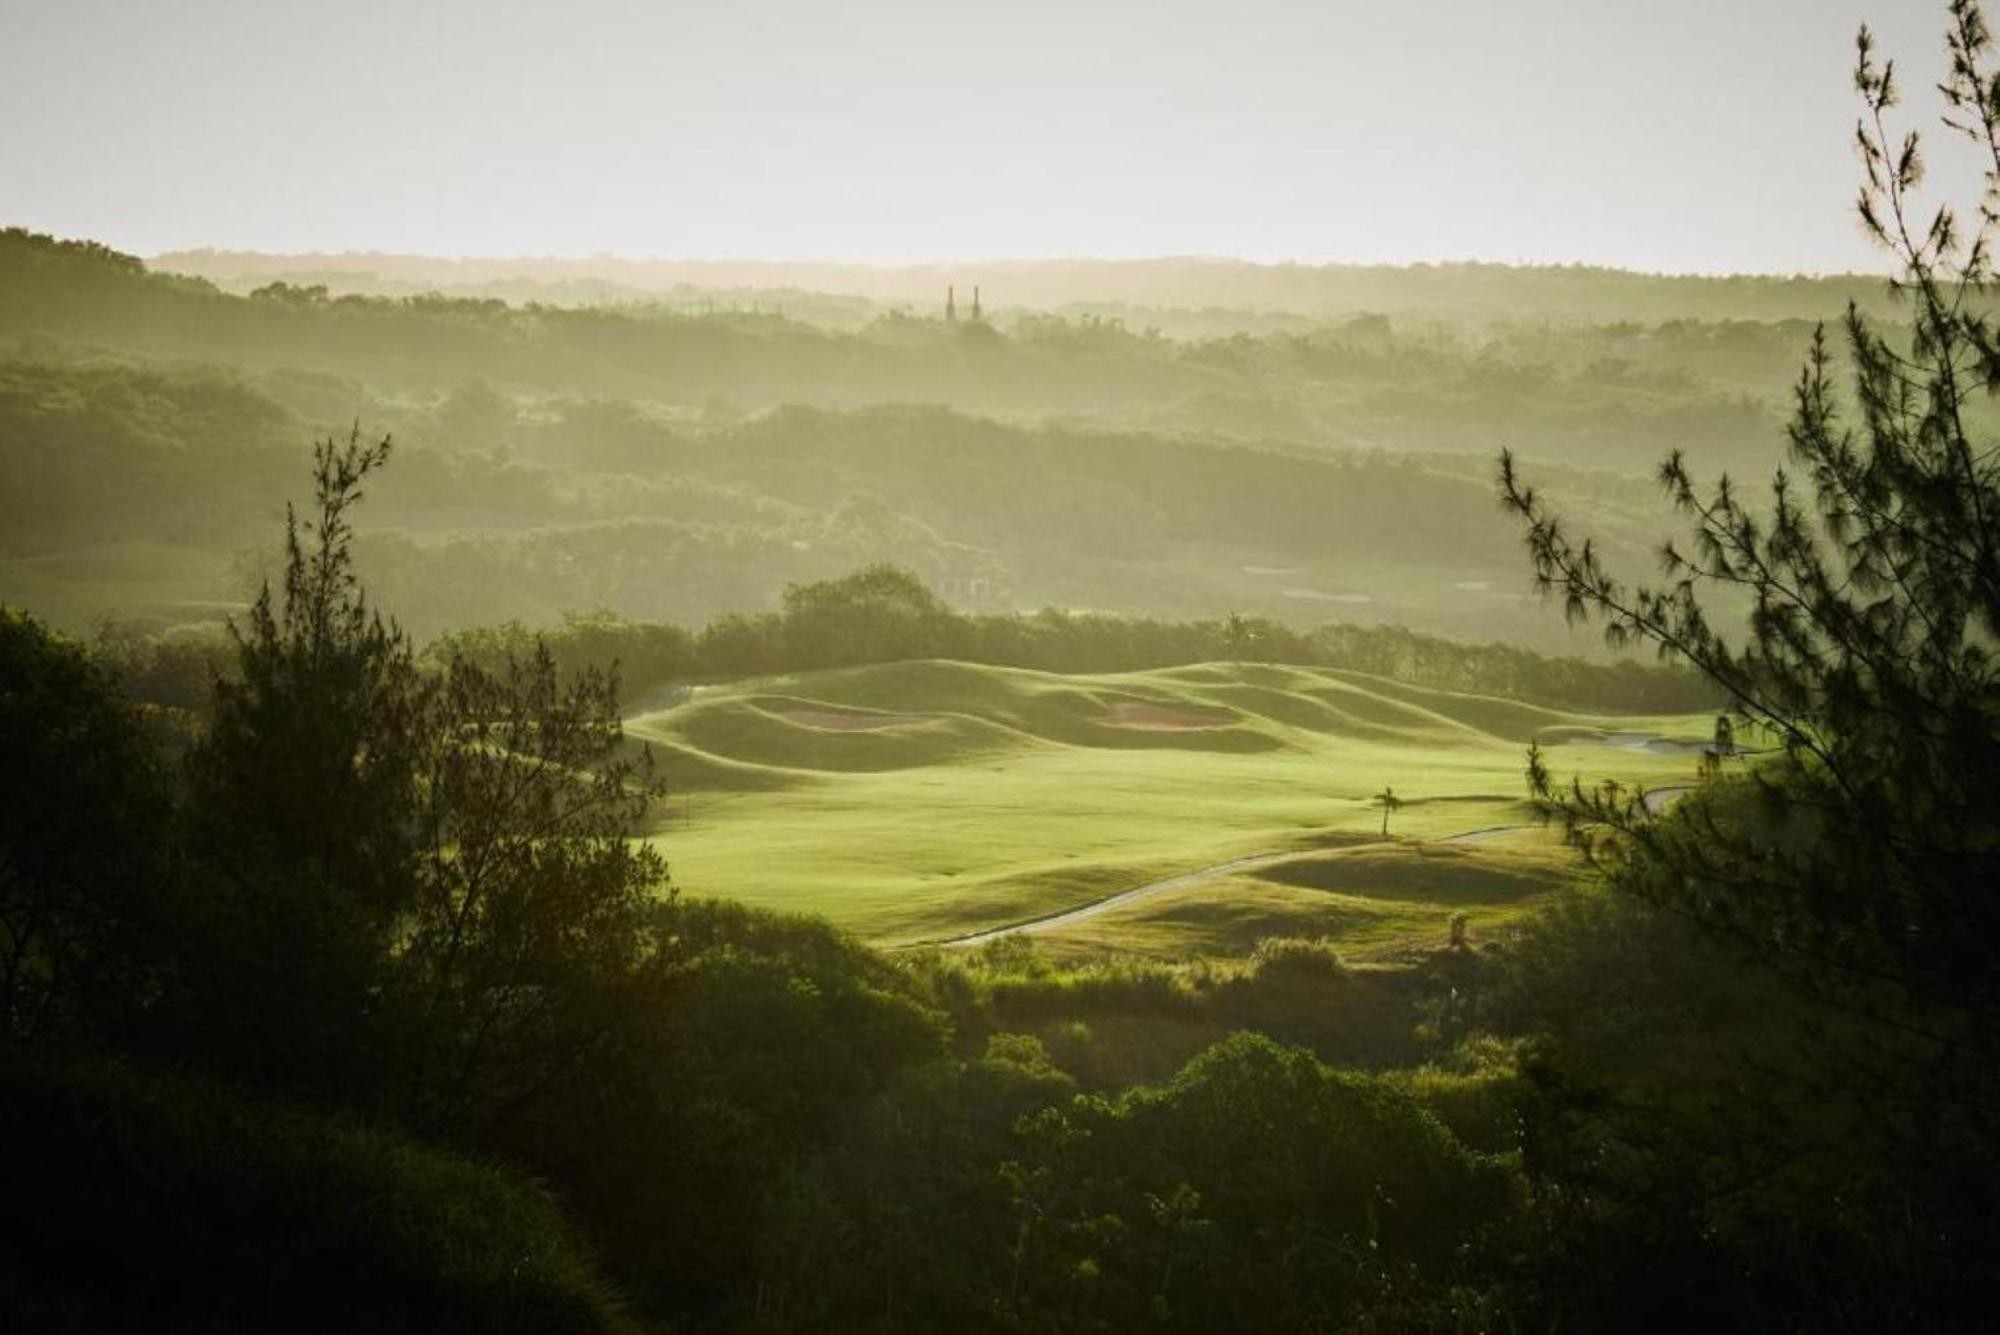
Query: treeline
[(103, 450), (1454, 290), (885, 614), (1607, 398), (510, 509), (91, 452)]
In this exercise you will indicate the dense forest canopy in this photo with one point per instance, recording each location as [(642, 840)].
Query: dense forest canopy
[(663, 464), (1363, 377)]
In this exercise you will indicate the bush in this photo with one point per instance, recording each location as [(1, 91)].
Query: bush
[(82, 811), (1287, 959), (733, 1055), (1258, 1189), (144, 1202)]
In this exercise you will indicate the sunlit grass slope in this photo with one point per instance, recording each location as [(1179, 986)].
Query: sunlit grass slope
[(922, 800), (1377, 900)]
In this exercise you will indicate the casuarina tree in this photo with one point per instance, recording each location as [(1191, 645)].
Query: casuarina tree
[(1867, 852)]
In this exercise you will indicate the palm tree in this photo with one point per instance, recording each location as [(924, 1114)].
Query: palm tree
[(1388, 801)]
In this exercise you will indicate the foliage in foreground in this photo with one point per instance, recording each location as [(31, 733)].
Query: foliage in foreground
[(1850, 1178), (154, 1202), (1870, 655)]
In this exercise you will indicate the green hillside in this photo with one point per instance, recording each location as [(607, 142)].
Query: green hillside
[(924, 800)]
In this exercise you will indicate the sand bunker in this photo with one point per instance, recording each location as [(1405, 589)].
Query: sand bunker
[(828, 721), (1159, 718)]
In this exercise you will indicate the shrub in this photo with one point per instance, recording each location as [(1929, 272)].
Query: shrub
[(165, 1203), (1294, 959)]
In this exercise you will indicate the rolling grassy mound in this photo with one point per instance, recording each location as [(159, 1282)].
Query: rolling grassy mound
[(1378, 900), (923, 800), (786, 733)]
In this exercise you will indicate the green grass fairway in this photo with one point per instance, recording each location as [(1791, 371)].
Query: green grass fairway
[(1377, 900), (922, 800)]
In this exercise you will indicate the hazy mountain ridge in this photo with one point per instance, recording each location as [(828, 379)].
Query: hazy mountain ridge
[(1468, 290), (675, 465)]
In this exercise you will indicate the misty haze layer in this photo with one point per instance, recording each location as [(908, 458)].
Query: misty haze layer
[(1700, 136)]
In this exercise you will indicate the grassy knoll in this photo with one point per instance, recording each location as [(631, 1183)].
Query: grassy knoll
[(1378, 900), (921, 800)]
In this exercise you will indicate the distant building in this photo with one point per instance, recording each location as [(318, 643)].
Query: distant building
[(978, 315)]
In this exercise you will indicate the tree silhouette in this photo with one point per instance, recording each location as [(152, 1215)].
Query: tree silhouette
[(1537, 772), (529, 894), (83, 811), (300, 802), (1874, 586), (1388, 801), (402, 861), (1236, 634)]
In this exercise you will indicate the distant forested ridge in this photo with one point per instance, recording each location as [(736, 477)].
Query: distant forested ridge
[(1608, 394), (1457, 291), (669, 465)]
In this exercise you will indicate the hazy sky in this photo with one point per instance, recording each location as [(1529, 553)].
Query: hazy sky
[(1656, 134)]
